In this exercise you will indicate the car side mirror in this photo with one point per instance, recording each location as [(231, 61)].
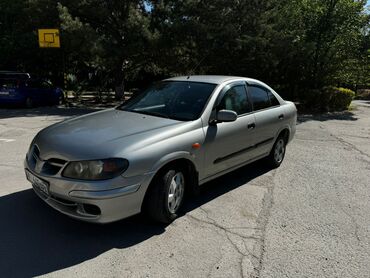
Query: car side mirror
[(226, 116)]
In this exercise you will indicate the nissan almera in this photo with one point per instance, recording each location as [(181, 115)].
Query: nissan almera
[(146, 154)]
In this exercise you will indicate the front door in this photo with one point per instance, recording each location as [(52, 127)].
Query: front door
[(228, 144)]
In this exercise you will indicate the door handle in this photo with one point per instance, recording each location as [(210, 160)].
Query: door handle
[(281, 116), (251, 126)]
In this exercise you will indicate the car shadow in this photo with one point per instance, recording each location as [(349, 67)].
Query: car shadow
[(341, 116), (61, 111), (36, 240)]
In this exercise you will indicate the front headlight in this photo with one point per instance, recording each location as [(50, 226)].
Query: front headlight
[(95, 169)]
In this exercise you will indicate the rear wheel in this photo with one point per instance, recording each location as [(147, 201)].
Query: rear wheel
[(277, 153), (60, 100), (165, 195)]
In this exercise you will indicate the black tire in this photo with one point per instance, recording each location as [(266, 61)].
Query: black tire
[(279, 147), (156, 204), (60, 101)]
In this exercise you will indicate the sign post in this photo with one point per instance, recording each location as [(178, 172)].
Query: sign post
[(50, 38)]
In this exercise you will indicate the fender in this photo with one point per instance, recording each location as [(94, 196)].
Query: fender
[(172, 157), (285, 126)]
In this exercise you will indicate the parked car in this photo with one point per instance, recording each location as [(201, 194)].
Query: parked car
[(18, 89), (147, 153), (14, 75)]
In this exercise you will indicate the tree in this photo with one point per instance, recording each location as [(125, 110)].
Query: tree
[(121, 41), (295, 46), (321, 37)]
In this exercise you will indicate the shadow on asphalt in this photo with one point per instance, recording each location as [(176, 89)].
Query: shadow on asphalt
[(36, 240), (341, 116), (44, 111)]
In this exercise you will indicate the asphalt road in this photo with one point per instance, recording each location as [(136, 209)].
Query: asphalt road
[(309, 218)]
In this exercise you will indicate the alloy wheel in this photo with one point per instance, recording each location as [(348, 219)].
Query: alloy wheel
[(279, 150), (176, 192)]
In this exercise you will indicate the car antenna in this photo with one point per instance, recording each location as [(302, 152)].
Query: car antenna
[(196, 66)]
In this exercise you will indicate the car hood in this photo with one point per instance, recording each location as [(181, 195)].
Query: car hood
[(100, 134)]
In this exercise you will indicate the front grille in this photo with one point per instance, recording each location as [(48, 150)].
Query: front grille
[(48, 167), (57, 162)]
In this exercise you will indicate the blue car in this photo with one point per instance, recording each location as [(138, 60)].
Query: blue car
[(22, 90)]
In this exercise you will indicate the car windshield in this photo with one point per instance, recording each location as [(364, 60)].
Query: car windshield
[(178, 100)]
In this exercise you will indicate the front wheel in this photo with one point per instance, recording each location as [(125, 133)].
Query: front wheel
[(165, 196), (277, 153)]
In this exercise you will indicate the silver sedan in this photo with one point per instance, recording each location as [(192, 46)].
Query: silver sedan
[(146, 154)]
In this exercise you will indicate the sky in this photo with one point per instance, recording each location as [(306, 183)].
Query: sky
[(149, 8)]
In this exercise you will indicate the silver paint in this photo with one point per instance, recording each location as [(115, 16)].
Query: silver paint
[(149, 143)]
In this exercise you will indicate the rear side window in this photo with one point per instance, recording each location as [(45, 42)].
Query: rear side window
[(260, 98), (235, 99), (34, 84), (9, 83), (274, 101)]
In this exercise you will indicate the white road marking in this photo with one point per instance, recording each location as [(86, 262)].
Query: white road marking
[(6, 140)]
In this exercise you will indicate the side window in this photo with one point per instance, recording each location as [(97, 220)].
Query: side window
[(235, 99), (273, 99), (259, 98), (33, 84)]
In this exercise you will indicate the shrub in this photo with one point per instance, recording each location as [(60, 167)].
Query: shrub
[(341, 99), (328, 99)]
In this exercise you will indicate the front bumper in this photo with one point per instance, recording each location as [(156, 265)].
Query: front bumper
[(95, 201)]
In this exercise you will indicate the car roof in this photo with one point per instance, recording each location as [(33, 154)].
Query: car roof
[(14, 75), (214, 79)]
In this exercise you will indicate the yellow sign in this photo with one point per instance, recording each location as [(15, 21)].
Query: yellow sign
[(49, 38)]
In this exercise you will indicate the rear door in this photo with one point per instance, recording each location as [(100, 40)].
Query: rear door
[(227, 144), (33, 91), (48, 91), (40, 91), (268, 114)]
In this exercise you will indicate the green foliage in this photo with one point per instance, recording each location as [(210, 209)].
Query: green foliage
[(341, 99), (297, 46), (328, 98)]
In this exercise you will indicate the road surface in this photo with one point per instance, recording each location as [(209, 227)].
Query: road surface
[(309, 218)]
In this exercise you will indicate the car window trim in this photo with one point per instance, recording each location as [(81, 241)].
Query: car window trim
[(269, 91), (228, 87), (266, 90)]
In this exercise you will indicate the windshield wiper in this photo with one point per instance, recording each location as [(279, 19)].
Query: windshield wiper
[(148, 113), (176, 118), (172, 117)]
